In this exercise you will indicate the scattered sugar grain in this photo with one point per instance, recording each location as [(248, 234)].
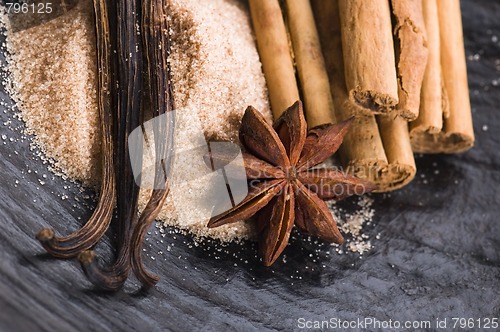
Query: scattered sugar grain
[(352, 225)]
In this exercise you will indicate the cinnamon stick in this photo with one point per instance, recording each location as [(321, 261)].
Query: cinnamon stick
[(274, 51), (446, 126), (401, 169), (433, 103), (411, 54), (370, 67), (310, 64), (379, 152)]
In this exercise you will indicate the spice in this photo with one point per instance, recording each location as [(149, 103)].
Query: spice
[(411, 54), (445, 125), (129, 82), (284, 188), (124, 97), (434, 105), (370, 67), (275, 55), (85, 238), (310, 64), (376, 150), (156, 41)]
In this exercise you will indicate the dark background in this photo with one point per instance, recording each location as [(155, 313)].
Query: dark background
[(438, 255)]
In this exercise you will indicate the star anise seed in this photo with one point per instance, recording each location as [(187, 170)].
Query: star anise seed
[(284, 187)]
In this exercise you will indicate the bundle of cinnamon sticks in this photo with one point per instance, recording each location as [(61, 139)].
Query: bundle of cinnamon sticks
[(398, 66)]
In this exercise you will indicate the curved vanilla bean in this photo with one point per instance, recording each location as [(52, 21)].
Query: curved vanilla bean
[(128, 117), (156, 39), (83, 239), (109, 278), (149, 214)]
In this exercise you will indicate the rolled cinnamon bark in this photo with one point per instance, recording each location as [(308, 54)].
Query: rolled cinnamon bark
[(274, 51), (433, 100), (445, 121), (368, 48), (411, 54), (386, 159), (310, 63), (432, 97), (396, 139)]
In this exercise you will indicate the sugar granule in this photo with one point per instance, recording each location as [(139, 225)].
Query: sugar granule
[(352, 224)]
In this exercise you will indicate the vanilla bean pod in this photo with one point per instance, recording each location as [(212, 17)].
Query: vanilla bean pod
[(86, 237), (120, 91), (156, 39), (128, 117)]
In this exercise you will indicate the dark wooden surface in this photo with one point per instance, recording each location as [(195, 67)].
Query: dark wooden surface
[(438, 255)]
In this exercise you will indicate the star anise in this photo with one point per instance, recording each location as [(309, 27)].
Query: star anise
[(284, 187)]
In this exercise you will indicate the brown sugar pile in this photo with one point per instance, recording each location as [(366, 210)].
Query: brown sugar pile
[(216, 73), (54, 75), (215, 78)]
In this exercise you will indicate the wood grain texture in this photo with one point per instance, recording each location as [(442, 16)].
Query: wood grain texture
[(438, 254)]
